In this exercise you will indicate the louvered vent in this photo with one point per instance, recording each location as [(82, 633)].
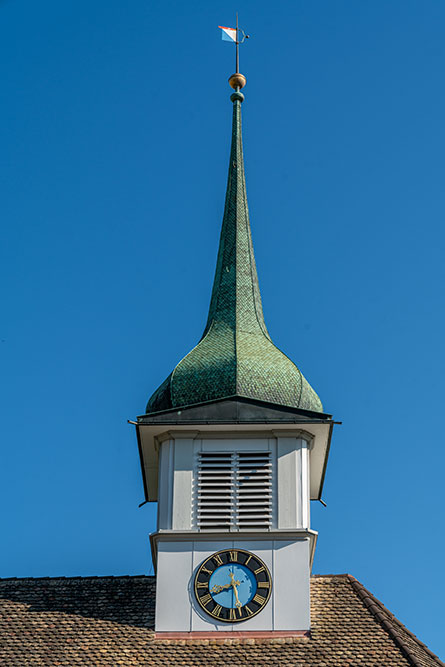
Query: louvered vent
[(216, 490), (234, 490), (254, 490)]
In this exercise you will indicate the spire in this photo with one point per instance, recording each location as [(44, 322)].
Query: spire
[(235, 356), (236, 299)]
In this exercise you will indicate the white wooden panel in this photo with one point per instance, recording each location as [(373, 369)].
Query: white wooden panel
[(174, 570), (182, 484), (305, 485), (291, 591), (232, 444), (293, 481), (165, 485), (287, 483), (298, 484)]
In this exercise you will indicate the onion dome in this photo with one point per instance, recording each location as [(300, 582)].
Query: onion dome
[(235, 356)]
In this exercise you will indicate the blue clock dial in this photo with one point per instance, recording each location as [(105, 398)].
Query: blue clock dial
[(232, 585), (223, 591)]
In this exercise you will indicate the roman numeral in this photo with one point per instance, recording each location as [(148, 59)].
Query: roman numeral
[(247, 561), (233, 556), (205, 599), (260, 569), (259, 599), (218, 559), (263, 584), (249, 612), (217, 611), (232, 615), (204, 569), (201, 584)]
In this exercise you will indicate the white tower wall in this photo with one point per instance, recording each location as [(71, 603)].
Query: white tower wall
[(285, 544), (288, 562), (178, 471)]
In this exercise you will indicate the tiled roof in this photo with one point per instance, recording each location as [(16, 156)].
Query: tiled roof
[(108, 621), (235, 356)]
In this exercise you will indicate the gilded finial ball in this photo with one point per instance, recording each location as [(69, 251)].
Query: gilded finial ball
[(237, 81)]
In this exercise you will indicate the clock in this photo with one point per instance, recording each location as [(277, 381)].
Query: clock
[(232, 585)]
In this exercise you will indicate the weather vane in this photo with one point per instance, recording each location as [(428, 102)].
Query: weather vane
[(237, 80)]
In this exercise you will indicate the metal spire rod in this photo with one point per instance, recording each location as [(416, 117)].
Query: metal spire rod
[(237, 80), (237, 45), (238, 42)]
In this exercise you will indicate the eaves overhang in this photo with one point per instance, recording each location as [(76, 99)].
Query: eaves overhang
[(233, 409), (243, 417)]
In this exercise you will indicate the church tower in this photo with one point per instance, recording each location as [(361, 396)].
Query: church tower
[(233, 447)]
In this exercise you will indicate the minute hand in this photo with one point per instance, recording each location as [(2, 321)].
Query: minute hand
[(234, 584)]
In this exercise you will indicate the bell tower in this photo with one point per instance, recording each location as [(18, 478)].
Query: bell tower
[(234, 446)]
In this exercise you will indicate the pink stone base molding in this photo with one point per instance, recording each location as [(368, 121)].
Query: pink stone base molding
[(233, 634)]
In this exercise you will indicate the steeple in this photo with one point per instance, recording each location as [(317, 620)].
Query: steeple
[(233, 447), (235, 356)]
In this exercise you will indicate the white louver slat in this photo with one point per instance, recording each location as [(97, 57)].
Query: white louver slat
[(234, 490)]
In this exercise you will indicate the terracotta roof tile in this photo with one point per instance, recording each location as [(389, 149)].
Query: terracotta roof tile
[(108, 621)]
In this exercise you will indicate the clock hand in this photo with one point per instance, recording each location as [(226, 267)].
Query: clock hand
[(237, 603), (217, 588), (234, 584)]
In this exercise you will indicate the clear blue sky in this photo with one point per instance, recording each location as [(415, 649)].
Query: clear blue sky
[(115, 128)]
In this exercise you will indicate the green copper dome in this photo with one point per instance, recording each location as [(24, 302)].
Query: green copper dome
[(235, 356)]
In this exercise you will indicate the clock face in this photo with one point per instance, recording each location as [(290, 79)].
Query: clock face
[(233, 585)]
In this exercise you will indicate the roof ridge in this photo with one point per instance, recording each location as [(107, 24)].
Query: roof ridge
[(321, 576), (380, 613)]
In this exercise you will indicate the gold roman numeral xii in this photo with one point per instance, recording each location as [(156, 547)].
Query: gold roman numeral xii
[(233, 556)]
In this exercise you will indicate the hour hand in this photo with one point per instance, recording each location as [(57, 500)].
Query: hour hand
[(217, 588)]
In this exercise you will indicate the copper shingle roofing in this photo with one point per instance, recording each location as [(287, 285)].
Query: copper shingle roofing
[(235, 356), (108, 621)]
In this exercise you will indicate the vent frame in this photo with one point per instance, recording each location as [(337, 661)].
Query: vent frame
[(234, 490)]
